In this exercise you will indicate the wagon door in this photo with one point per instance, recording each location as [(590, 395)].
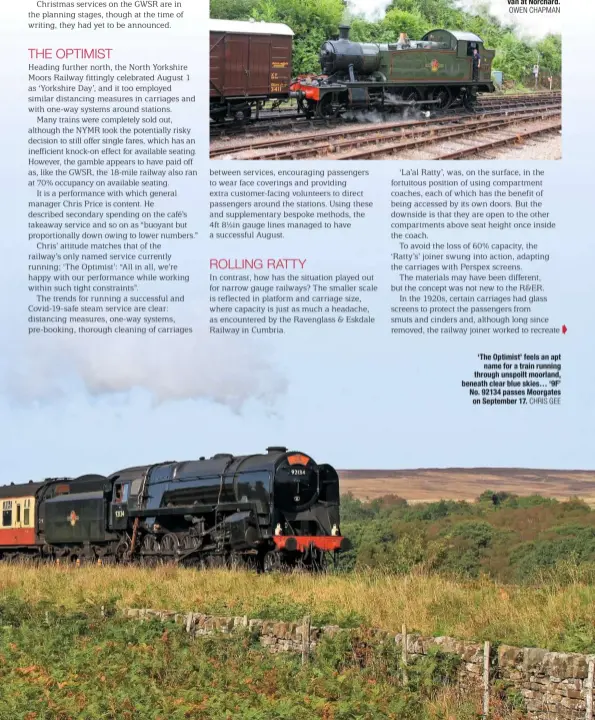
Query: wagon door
[(259, 76), (18, 518), (237, 59), (281, 48), (217, 64)]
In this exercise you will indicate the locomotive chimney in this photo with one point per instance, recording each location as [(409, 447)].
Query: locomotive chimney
[(344, 32)]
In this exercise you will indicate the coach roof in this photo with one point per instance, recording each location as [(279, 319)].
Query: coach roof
[(249, 28), (19, 491)]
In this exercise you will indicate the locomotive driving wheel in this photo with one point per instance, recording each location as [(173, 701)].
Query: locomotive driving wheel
[(191, 542), (150, 544), (122, 552), (326, 109), (149, 550), (410, 96), (169, 544), (444, 96), (469, 98)]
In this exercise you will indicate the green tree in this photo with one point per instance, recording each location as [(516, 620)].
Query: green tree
[(312, 21), (231, 9), (399, 21), (550, 51)]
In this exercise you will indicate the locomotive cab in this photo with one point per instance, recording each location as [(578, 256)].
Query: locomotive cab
[(119, 505), (463, 44)]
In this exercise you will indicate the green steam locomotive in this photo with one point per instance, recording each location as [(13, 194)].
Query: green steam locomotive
[(444, 68)]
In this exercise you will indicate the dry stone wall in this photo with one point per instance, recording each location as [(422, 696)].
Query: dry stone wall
[(554, 686)]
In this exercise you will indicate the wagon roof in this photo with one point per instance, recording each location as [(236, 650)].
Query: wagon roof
[(249, 28)]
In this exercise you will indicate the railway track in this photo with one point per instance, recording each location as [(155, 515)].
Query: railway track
[(484, 146), (375, 140), (483, 135), (276, 123)]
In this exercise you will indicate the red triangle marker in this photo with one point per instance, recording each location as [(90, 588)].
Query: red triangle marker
[(564, 329)]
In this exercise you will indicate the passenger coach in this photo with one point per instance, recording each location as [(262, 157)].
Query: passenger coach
[(17, 525)]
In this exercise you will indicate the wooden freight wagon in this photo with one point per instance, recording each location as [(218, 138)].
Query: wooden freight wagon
[(250, 64)]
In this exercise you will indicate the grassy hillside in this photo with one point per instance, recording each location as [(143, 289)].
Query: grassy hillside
[(432, 484), (70, 667), (558, 616), (513, 570), (508, 538), (427, 565)]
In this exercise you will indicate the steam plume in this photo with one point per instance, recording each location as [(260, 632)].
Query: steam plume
[(224, 370)]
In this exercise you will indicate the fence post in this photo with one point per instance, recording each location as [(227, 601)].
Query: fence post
[(404, 653), (589, 690), (486, 679), (306, 639)]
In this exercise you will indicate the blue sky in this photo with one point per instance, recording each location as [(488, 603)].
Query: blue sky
[(357, 397)]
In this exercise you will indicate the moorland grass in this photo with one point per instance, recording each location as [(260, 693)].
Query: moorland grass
[(69, 666), (554, 615)]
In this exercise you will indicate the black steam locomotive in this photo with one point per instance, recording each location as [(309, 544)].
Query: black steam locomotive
[(437, 71), (273, 510)]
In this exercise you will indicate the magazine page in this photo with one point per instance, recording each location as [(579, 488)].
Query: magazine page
[(296, 384)]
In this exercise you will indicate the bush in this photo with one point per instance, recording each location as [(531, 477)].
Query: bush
[(314, 21)]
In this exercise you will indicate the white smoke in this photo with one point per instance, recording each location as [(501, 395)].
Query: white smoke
[(401, 112), (224, 370), (347, 17)]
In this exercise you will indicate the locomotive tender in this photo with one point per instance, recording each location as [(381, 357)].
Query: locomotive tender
[(251, 64), (268, 510)]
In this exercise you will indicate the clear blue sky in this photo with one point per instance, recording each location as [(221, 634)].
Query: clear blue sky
[(357, 398)]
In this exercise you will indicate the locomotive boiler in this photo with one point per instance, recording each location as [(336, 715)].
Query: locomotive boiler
[(437, 71), (268, 510)]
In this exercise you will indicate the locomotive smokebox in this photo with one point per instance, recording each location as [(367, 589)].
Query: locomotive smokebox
[(345, 56), (344, 32)]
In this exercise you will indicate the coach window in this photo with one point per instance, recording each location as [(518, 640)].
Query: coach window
[(27, 513), (7, 513)]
